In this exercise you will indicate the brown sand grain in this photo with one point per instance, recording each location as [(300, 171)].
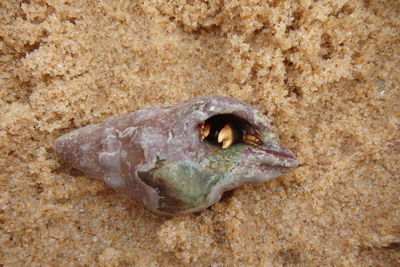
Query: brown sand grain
[(327, 73)]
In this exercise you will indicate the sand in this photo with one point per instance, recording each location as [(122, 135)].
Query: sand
[(327, 74)]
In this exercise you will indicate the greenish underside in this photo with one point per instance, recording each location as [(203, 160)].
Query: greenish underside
[(185, 185)]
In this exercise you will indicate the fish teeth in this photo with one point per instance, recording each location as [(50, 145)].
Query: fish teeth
[(225, 136)]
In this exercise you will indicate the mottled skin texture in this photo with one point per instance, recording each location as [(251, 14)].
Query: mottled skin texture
[(156, 155)]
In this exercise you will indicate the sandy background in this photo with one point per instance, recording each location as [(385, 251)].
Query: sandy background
[(327, 75)]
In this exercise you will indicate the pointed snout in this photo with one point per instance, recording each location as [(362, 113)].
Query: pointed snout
[(275, 154)]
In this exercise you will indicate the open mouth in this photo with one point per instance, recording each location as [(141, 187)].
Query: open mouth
[(226, 130)]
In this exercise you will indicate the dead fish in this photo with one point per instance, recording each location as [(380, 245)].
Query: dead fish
[(179, 159)]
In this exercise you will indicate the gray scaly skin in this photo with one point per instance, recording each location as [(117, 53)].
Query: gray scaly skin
[(157, 156)]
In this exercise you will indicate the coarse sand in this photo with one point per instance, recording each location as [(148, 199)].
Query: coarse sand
[(327, 74)]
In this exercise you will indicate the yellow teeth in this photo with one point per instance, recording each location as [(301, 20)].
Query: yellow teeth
[(204, 130), (225, 136), (251, 140)]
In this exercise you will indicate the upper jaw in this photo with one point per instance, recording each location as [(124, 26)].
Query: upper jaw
[(277, 155)]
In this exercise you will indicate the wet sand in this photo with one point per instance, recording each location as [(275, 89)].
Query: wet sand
[(326, 74)]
